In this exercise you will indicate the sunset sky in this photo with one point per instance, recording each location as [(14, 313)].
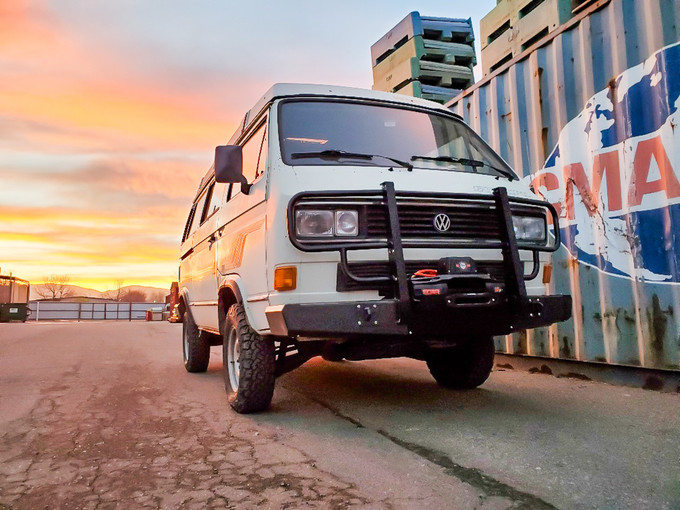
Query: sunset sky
[(110, 111)]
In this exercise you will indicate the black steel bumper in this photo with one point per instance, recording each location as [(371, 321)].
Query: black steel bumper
[(452, 304), (432, 319)]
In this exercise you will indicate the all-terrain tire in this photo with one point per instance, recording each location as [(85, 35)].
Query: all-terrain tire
[(248, 364), (195, 346), (464, 367)]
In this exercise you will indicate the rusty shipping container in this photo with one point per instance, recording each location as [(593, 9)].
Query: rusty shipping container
[(590, 116)]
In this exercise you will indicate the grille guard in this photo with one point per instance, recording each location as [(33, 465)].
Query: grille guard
[(387, 197)]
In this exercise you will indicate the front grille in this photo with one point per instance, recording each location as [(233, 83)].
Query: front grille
[(470, 219), (382, 269)]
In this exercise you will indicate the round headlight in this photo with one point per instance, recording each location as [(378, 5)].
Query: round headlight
[(346, 223), (314, 223)]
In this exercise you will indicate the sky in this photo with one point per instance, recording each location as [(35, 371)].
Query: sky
[(110, 111)]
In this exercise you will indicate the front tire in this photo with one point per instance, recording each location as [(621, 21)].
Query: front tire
[(195, 346), (248, 364), (465, 367)]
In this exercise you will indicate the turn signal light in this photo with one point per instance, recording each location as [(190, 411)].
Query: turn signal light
[(547, 273), (285, 278)]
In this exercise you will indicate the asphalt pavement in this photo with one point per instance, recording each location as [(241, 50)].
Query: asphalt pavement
[(103, 415)]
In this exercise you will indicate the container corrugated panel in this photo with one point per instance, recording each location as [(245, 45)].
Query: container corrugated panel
[(590, 116)]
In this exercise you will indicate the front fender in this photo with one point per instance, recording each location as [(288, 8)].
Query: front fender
[(233, 289), (184, 301)]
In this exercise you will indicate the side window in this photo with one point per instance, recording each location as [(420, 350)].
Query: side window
[(253, 159), (262, 160), (187, 227), (218, 198), (208, 201), (198, 213)]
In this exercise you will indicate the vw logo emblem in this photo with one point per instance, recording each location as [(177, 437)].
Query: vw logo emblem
[(442, 222)]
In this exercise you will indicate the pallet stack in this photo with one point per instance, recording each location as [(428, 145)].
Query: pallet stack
[(425, 57)]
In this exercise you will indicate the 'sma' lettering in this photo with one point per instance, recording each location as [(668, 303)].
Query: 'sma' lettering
[(607, 165), (639, 185)]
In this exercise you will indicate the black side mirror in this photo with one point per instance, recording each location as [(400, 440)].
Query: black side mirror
[(229, 166)]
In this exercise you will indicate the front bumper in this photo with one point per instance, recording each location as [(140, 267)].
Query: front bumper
[(461, 300), (434, 318)]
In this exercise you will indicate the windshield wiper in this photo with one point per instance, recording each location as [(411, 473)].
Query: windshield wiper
[(337, 154), (475, 163)]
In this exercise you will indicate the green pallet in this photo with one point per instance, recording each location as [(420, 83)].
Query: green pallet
[(438, 94), (390, 78), (426, 49)]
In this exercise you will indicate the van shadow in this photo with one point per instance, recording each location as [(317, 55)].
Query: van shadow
[(391, 387)]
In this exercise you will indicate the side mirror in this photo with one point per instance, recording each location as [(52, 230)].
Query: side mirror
[(229, 166)]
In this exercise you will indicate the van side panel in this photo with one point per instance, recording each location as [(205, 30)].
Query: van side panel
[(240, 254), (203, 287)]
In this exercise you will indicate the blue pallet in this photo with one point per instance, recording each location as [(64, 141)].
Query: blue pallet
[(439, 29)]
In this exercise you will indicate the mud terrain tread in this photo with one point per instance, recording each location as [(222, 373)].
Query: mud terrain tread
[(463, 368), (199, 346), (257, 366)]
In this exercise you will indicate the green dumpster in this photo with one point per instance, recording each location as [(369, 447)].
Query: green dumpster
[(13, 312)]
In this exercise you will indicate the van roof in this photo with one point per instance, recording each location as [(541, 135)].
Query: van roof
[(307, 89), (281, 90)]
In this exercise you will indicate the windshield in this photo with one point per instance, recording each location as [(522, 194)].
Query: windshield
[(335, 133)]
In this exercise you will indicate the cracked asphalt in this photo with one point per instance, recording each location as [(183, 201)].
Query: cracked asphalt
[(103, 415)]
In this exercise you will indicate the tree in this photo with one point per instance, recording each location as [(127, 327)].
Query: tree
[(157, 296), (55, 287), (116, 293), (133, 296)]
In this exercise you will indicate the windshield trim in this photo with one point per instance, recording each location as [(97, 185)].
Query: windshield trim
[(387, 104)]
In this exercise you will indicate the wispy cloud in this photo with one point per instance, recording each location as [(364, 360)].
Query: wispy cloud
[(98, 168), (109, 112)]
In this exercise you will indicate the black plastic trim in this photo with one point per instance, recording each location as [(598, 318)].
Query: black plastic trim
[(378, 195)]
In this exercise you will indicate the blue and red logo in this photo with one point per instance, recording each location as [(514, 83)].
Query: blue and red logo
[(614, 175)]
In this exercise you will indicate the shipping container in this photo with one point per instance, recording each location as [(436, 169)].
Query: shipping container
[(590, 116)]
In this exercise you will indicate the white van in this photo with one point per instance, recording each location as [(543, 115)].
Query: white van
[(356, 224)]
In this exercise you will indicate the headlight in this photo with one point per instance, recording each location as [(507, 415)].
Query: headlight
[(314, 223), (529, 228), (346, 223)]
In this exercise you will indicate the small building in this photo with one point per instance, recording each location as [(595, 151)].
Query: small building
[(14, 294)]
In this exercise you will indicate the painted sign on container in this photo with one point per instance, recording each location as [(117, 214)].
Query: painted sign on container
[(615, 171), (589, 116)]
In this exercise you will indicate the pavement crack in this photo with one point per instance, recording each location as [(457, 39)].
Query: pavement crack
[(472, 476)]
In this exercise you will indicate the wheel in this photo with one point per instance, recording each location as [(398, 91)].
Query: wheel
[(248, 364), (195, 346), (465, 367)]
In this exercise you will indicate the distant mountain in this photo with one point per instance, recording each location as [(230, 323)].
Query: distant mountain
[(151, 293)]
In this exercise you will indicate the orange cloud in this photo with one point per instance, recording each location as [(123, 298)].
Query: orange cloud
[(50, 77), (109, 154), (153, 121), (35, 242), (24, 27)]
